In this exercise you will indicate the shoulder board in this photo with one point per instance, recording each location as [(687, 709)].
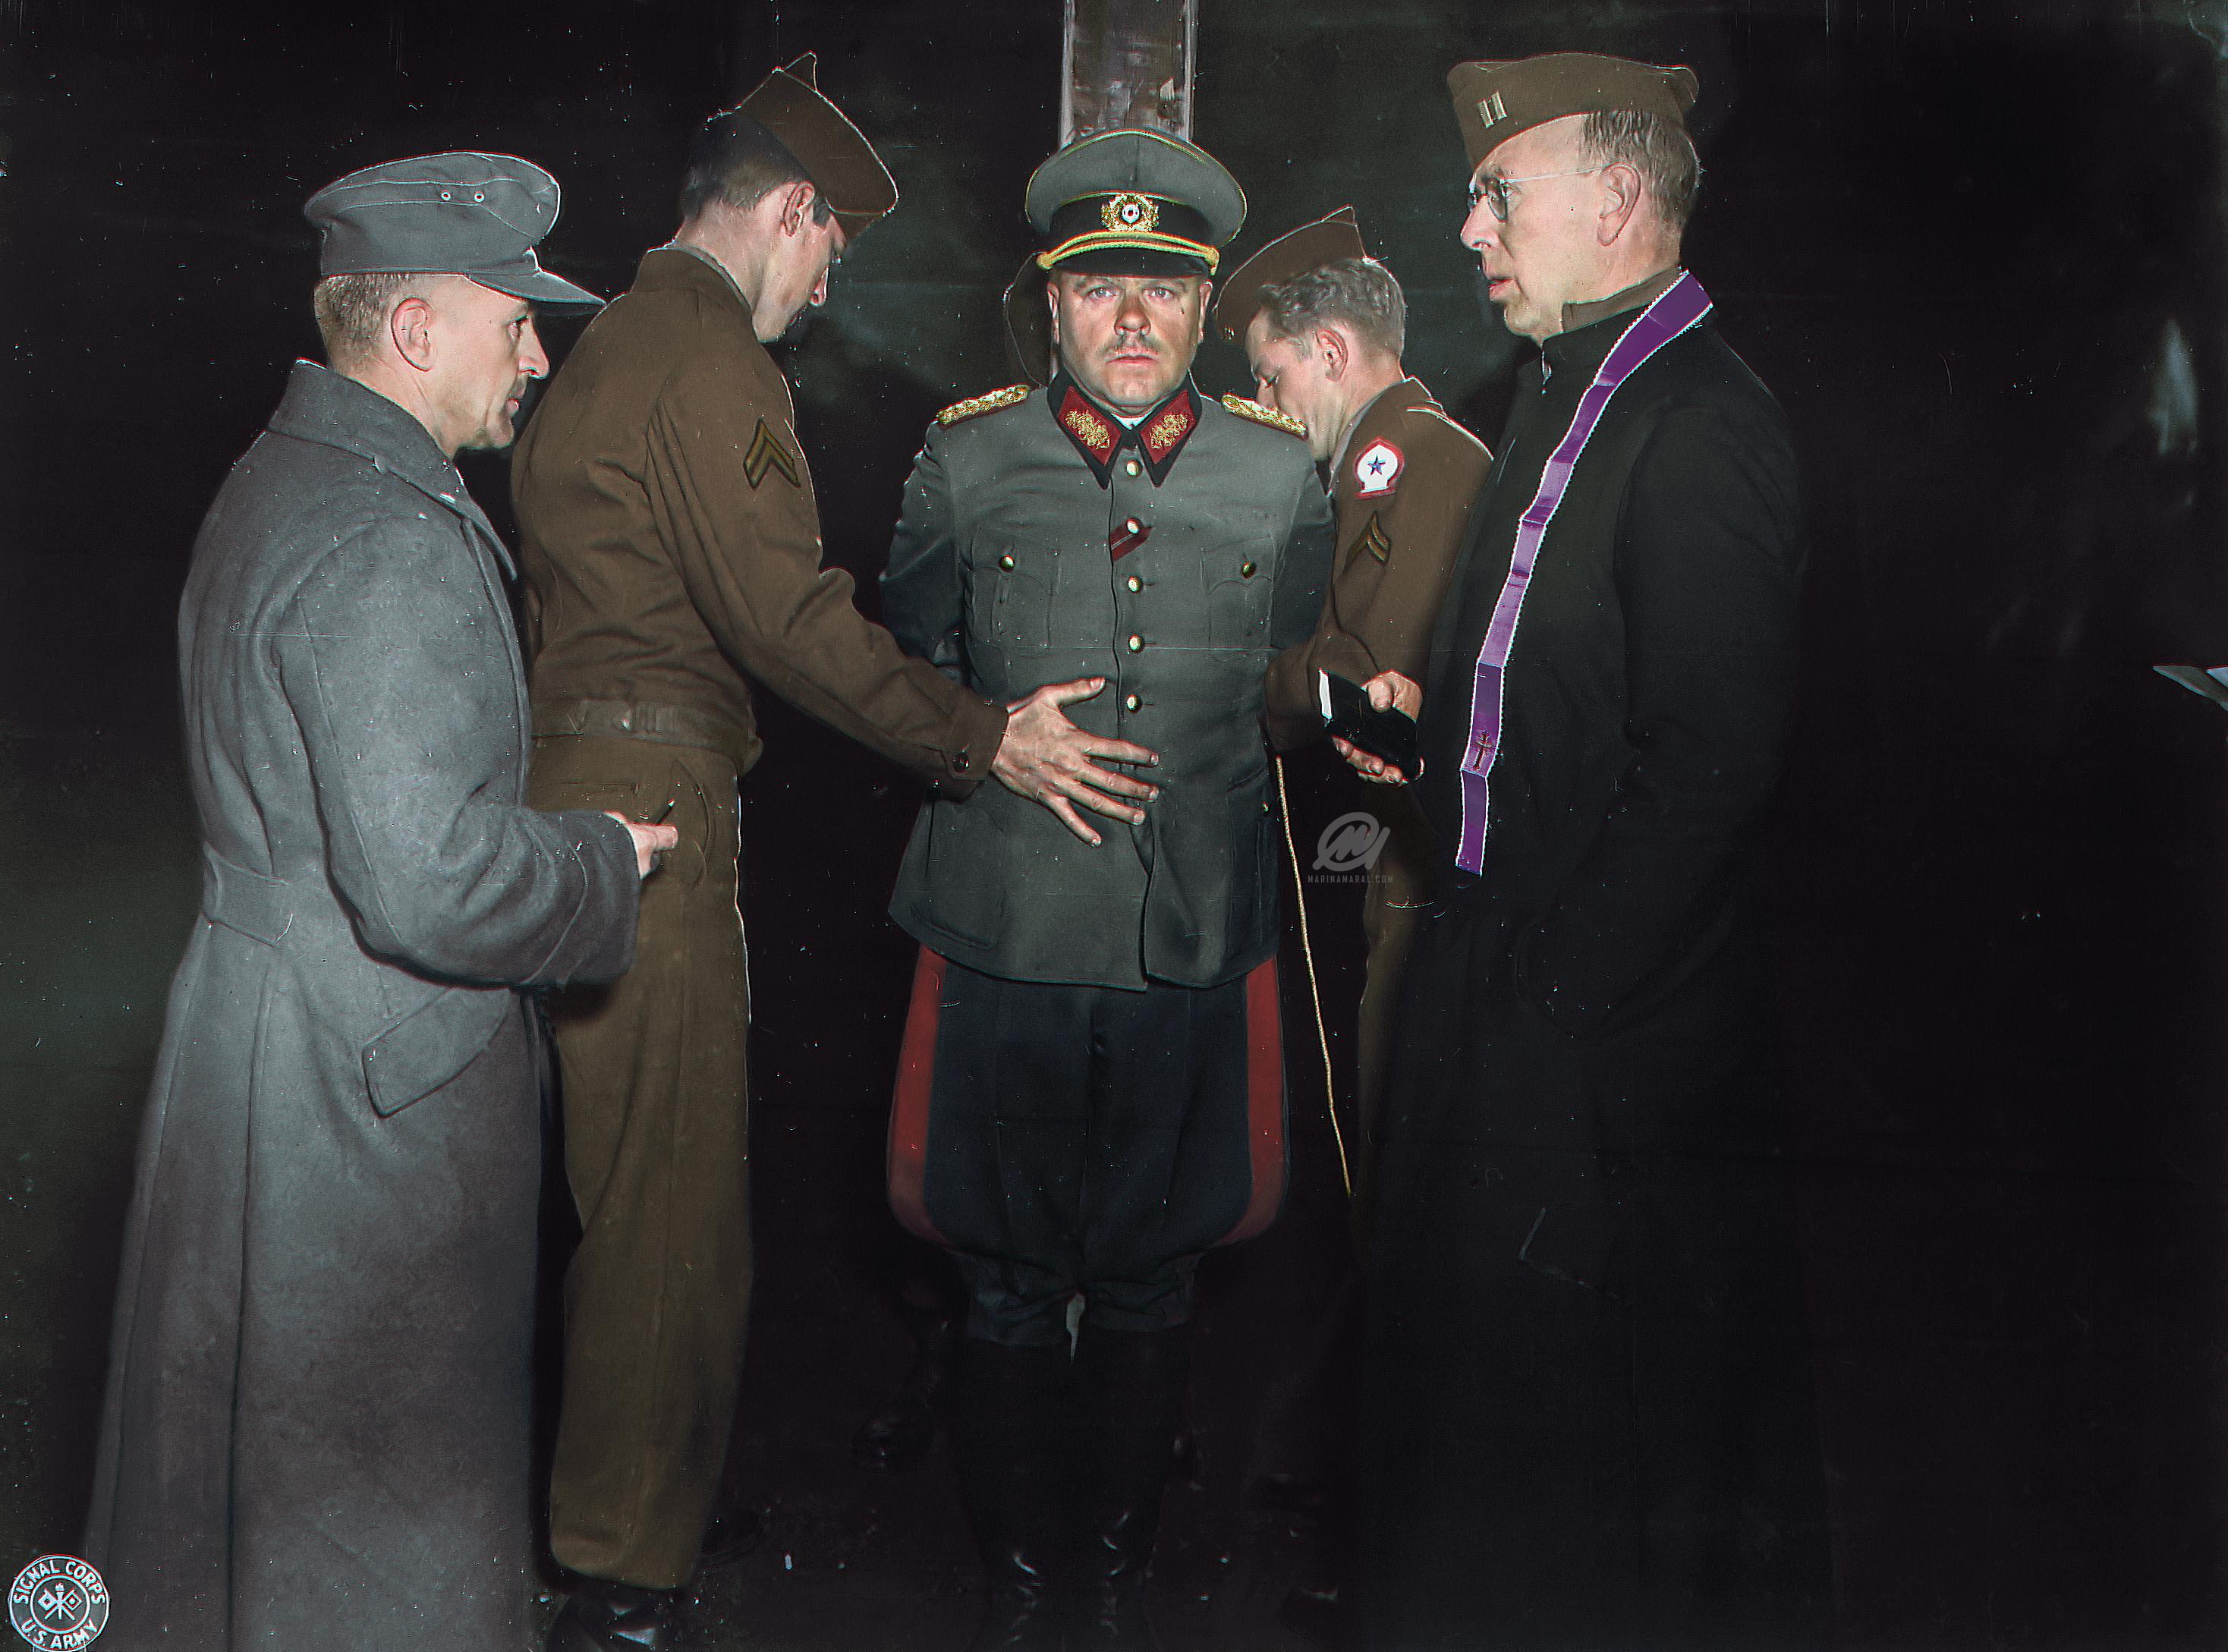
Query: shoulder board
[(990, 403), (1245, 407)]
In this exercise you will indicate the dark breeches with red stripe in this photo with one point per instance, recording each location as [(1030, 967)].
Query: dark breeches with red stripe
[(1063, 1139)]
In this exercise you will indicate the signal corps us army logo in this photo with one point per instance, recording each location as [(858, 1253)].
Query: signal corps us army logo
[(58, 1604)]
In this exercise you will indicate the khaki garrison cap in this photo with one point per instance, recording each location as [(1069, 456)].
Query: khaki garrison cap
[(1494, 100), (834, 153), (464, 213), (1310, 247)]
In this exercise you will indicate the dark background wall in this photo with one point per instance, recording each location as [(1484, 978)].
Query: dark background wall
[(1973, 252)]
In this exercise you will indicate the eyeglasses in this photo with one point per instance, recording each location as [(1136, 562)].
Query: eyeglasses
[(1495, 191)]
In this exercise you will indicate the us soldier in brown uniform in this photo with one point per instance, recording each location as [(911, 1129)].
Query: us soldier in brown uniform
[(1323, 324), (671, 547)]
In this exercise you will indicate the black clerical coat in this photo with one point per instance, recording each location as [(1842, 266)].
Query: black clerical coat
[(1584, 1308)]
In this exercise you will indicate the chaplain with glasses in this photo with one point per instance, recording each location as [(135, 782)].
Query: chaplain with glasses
[(1587, 1418)]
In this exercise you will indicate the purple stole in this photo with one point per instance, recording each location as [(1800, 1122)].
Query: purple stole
[(1676, 309)]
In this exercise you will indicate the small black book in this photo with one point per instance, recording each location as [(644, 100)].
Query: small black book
[(1389, 736)]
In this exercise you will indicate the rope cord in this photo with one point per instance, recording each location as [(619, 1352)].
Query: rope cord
[(1315, 992)]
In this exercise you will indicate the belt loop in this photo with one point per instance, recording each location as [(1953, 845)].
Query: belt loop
[(246, 902)]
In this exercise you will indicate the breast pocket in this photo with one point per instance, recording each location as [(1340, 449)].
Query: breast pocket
[(1237, 588), (1011, 595)]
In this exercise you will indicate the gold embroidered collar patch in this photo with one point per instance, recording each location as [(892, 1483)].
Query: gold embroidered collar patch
[(1159, 437)]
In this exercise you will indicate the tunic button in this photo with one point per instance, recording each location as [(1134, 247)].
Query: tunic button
[(1130, 467), (1135, 641), (1006, 562), (959, 766), (1131, 703), (1131, 525), (1246, 571), (1135, 583)]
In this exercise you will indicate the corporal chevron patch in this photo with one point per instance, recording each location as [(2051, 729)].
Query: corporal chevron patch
[(1373, 539), (1245, 407), (990, 403), (767, 453)]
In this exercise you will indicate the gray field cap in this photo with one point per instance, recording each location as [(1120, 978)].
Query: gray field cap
[(462, 213)]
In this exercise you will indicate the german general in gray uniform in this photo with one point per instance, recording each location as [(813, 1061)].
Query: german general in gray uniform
[(1092, 1092)]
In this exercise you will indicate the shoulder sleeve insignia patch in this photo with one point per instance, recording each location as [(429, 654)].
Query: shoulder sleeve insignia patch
[(1245, 407), (990, 403), (1372, 538), (768, 453), (1377, 470)]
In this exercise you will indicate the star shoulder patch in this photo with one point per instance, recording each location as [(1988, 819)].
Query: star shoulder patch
[(1377, 470), (976, 406), (1245, 407), (766, 453)]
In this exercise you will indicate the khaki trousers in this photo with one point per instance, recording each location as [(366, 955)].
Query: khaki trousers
[(656, 1153)]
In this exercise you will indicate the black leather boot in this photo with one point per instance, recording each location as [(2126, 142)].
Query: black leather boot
[(1011, 1430), (731, 1531), (899, 1435), (1129, 1390), (604, 1617)]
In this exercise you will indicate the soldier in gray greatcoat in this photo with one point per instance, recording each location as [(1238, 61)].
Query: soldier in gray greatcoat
[(1092, 1088), (316, 1428)]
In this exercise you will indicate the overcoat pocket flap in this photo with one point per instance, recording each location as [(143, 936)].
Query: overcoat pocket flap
[(430, 1046)]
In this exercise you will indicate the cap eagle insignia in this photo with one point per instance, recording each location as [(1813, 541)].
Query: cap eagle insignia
[(1131, 212)]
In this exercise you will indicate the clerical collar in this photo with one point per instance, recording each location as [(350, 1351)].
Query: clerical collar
[(1100, 436), (1635, 297), (1587, 337)]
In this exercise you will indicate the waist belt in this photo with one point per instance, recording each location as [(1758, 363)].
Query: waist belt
[(647, 719), (258, 907)]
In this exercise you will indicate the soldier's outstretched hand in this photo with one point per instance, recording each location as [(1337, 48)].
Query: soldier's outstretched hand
[(1047, 759)]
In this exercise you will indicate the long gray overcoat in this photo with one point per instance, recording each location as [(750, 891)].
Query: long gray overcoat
[(315, 1427)]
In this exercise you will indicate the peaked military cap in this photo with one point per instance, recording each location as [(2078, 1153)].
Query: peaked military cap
[(835, 154), (1494, 100), (1134, 201), (1310, 247), (461, 214)]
